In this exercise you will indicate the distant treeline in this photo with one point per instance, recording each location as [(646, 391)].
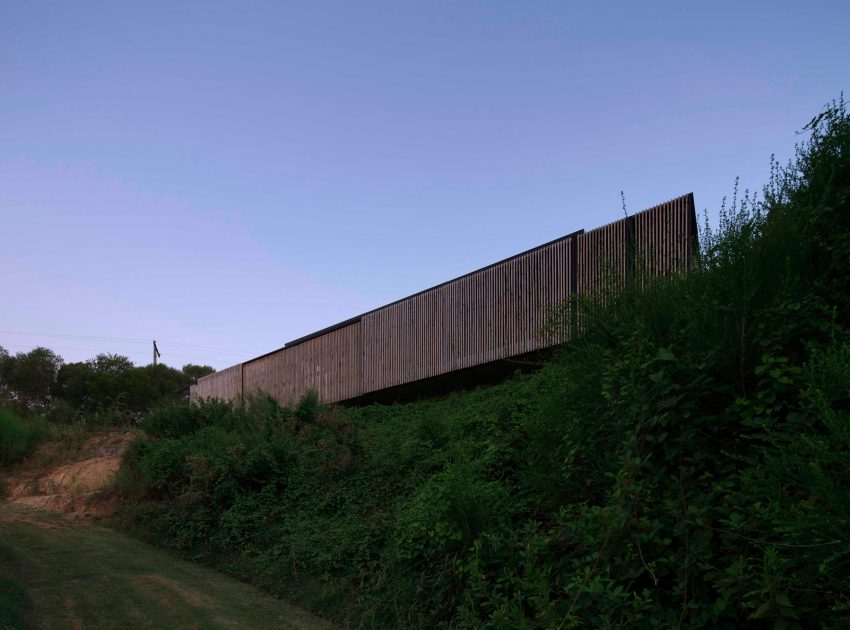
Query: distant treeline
[(109, 387)]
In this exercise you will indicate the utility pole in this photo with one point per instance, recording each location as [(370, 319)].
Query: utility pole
[(155, 353)]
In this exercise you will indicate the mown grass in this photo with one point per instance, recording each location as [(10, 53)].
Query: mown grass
[(684, 463), (12, 594), (62, 574)]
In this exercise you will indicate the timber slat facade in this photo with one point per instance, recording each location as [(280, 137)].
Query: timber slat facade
[(490, 314)]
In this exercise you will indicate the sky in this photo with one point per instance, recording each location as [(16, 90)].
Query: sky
[(225, 177)]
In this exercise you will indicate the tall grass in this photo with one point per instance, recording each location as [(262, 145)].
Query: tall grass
[(18, 437)]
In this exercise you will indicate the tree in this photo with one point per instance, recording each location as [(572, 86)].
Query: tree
[(30, 377), (155, 384), (197, 371), (116, 364), (5, 365), (74, 384), (105, 382)]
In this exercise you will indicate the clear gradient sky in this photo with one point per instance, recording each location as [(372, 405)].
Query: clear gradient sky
[(233, 175)]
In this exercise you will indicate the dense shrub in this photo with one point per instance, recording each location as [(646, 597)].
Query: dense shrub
[(18, 438), (684, 463)]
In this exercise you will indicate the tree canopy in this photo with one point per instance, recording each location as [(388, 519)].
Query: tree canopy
[(27, 378), (39, 380)]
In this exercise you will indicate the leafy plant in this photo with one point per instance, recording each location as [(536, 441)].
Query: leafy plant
[(18, 438)]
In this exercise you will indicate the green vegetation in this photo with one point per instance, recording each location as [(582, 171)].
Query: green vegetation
[(26, 378), (12, 595), (18, 438), (109, 389), (105, 391), (685, 463)]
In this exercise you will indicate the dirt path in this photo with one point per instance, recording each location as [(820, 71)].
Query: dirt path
[(82, 576)]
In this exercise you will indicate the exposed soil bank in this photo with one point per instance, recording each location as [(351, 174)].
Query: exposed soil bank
[(78, 483)]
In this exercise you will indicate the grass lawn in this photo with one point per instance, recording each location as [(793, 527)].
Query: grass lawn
[(56, 573)]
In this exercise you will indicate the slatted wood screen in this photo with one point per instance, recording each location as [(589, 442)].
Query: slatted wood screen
[(602, 256), (329, 364), (490, 314), (665, 236), (225, 384), (494, 313)]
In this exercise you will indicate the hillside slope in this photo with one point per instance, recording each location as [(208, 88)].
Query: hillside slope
[(685, 463)]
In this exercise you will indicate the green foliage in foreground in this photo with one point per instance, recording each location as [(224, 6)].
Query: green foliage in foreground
[(18, 438), (686, 463)]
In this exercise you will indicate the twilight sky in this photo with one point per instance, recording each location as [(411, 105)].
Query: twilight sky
[(227, 176)]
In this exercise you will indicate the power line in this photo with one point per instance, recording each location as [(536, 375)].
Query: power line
[(207, 348), (57, 335), (129, 340), (29, 345), (101, 351)]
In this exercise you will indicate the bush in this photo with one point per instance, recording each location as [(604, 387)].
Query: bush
[(18, 438), (178, 420)]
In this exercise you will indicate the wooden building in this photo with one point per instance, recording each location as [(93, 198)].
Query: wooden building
[(491, 314)]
